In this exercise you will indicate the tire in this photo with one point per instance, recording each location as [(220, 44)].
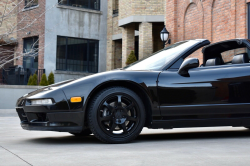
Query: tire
[(85, 132), (116, 115)]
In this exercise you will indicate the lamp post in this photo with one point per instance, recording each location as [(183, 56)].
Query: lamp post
[(165, 36)]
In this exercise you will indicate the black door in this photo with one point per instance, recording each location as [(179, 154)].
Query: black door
[(218, 90)]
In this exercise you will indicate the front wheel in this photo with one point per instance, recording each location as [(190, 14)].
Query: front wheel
[(116, 115)]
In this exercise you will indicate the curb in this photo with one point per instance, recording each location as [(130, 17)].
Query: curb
[(8, 113)]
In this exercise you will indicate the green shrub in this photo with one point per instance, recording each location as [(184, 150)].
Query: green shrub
[(44, 81), (131, 58), (34, 80), (51, 78), (30, 80)]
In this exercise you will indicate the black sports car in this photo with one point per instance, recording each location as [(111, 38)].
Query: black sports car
[(166, 90)]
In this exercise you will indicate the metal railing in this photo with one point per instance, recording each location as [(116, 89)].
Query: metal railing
[(19, 76)]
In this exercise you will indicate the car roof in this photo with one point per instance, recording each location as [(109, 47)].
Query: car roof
[(214, 50)]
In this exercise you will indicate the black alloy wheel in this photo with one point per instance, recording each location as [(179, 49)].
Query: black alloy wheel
[(116, 115)]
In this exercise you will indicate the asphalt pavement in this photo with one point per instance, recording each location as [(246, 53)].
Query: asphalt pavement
[(197, 146)]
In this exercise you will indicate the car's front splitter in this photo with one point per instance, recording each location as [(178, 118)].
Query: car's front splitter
[(47, 127), (51, 121)]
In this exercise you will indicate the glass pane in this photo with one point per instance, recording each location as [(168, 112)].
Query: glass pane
[(30, 45), (27, 62), (94, 4), (77, 55), (93, 56), (31, 3), (35, 62), (30, 48), (62, 2), (79, 3), (162, 57), (61, 53)]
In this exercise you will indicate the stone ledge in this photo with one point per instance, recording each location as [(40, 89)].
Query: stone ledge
[(141, 18), (119, 36), (79, 9)]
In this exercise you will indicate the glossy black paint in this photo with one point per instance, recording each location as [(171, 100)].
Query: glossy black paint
[(180, 94), (208, 90)]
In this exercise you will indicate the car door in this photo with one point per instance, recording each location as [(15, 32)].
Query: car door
[(214, 91)]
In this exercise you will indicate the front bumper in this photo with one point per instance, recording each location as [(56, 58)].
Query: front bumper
[(51, 121)]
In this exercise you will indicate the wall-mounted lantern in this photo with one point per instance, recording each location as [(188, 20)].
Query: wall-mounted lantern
[(165, 36)]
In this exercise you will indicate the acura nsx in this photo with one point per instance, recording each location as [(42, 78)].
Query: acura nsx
[(188, 84)]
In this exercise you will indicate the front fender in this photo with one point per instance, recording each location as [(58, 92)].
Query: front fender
[(86, 86)]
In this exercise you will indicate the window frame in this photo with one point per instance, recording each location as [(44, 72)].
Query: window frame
[(34, 38), (35, 55), (98, 8), (88, 56), (27, 7)]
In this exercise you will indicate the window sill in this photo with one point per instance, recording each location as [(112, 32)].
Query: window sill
[(30, 8), (79, 9), (73, 73)]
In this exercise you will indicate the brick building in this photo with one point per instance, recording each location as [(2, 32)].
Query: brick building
[(8, 38), (30, 35), (133, 25), (66, 37), (215, 20)]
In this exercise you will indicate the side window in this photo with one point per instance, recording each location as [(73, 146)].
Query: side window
[(197, 54), (177, 64)]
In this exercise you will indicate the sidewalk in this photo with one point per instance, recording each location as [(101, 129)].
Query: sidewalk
[(8, 113)]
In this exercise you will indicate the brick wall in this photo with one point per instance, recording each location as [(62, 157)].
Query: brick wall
[(140, 7), (128, 41), (10, 21), (110, 64), (192, 23), (116, 29), (118, 54), (215, 20), (145, 39), (129, 8), (35, 29)]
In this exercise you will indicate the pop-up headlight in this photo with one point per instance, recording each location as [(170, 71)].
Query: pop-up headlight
[(41, 102)]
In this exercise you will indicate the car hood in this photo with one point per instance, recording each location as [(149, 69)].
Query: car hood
[(84, 86)]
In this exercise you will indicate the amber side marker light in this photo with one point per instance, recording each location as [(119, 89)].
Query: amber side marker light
[(76, 99)]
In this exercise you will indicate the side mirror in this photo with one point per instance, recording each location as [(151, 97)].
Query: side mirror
[(188, 64)]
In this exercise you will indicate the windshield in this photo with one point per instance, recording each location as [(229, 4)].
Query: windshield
[(162, 57)]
